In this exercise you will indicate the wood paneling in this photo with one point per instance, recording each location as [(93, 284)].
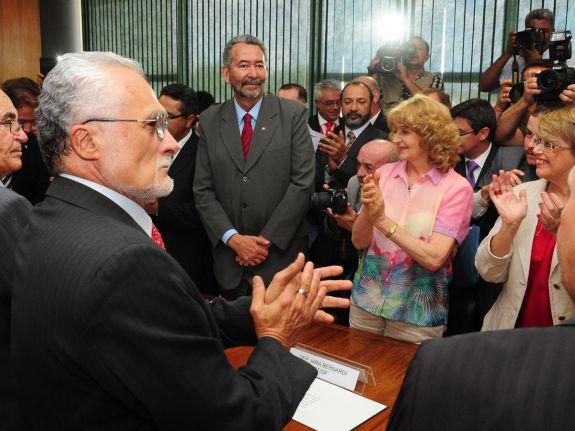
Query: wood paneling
[(20, 47)]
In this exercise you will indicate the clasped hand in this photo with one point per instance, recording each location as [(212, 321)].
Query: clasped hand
[(293, 298), (371, 198), (250, 250)]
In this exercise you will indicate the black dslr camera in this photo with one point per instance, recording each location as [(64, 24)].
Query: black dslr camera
[(336, 199), (530, 38), (553, 82), (390, 55)]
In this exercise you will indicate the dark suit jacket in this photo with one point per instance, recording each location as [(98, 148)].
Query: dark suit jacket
[(14, 211), (179, 222), (268, 194), (33, 179), (519, 379), (381, 123), (313, 123), (349, 167), (109, 332)]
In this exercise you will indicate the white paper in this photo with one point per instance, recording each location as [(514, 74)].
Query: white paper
[(331, 371), (326, 407), (315, 138)]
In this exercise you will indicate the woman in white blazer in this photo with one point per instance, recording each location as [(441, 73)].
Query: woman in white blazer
[(520, 249)]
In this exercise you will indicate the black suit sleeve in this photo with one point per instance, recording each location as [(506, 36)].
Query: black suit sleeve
[(156, 341)]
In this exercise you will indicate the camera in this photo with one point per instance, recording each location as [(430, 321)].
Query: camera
[(390, 55), (553, 82), (530, 38), (516, 92), (336, 199)]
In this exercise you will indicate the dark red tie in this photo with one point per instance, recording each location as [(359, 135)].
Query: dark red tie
[(157, 238), (247, 135)]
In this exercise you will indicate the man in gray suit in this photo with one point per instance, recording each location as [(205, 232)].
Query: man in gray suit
[(254, 173), (14, 211)]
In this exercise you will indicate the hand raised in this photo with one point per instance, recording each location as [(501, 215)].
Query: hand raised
[(511, 209), (371, 198), (345, 221), (333, 144), (551, 207)]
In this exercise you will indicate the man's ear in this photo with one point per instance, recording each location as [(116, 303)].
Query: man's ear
[(83, 143), (226, 73), (190, 120), (483, 133)]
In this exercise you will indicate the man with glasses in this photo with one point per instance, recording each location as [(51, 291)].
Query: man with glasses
[(176, 215), (14, 211), (33, 179), (108, 330), (326, 97), (470, 296)]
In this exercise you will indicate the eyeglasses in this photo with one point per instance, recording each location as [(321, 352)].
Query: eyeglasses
[(173, 117), (330, 103), (466, 133), (547, 147), (14, 126), (160, 123)]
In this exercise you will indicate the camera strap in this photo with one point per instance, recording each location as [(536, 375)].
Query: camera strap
[(514, 70)]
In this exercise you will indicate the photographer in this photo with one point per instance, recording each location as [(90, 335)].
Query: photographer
[(541, 21), (511, 123), (408, 77)]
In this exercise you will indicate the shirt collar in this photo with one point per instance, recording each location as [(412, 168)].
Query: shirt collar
[(482, 158), (374, 118), (254, 112), (132, 208), (357, 131), (401, 171)]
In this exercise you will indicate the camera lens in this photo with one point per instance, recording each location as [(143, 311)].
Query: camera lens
[(548, 80)]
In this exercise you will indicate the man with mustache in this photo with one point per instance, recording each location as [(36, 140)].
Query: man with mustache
[(254, 173)]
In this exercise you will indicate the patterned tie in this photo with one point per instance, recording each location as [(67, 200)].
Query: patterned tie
[(247, 135), (157, 238), (471, 167), (350, 140)]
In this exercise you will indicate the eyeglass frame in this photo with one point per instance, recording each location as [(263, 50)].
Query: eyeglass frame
[(330, 103), (174, 117), (161, 123), (10, 123), (547, 147), (472, 132)]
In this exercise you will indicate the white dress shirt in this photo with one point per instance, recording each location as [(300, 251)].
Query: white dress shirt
[(479, 204)]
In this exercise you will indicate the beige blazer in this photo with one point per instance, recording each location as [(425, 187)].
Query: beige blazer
[(513, 269)]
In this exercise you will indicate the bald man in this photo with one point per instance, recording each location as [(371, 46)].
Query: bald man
[(14, 211), (376, 116), (371, 156)]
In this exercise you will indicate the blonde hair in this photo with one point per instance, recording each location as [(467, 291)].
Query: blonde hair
[(433, 123), (559, 123)]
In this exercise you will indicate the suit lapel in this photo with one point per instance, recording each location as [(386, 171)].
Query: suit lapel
[(486, 167), (266, 127), (230, 134)]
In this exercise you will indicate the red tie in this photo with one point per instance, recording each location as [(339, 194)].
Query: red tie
[(157, 238), (328, 127), (247, 135)]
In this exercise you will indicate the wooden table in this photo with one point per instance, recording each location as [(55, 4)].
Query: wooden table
[(387, 357)]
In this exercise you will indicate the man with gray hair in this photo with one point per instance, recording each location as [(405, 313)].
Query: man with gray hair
[(108, 331), (326, 97), (254, 173)]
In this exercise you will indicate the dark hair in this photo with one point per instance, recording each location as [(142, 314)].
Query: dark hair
[(537, 63), (22, 92), (301, 92), (443, 97), (544, 14), (422, 40), (479, 114), (360, 84), (205, 99), (185, 95)]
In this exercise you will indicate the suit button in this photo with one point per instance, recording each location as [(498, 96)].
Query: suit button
[(556, 286), (562, 318), (245, 179)]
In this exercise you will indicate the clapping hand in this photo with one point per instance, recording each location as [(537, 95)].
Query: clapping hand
[(550, 215), (371, 198), (333, 144), (511, 209)]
